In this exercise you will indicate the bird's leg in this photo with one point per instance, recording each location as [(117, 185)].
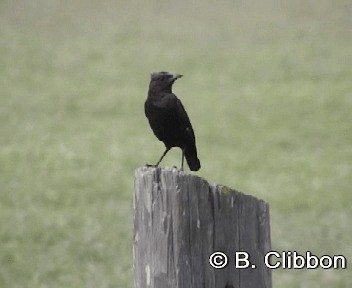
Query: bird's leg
[(183, 157), (162, 156)]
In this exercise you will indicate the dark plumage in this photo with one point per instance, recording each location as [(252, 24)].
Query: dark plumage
[(169, 120)]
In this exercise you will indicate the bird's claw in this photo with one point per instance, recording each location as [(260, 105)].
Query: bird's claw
[(151, 165), (175, 167)]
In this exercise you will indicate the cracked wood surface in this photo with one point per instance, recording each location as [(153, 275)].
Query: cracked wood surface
[(180, 220)]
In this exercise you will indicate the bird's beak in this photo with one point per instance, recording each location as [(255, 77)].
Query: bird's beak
[(177, 76)]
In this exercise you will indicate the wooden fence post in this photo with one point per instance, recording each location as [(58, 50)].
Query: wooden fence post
[(180, 220)]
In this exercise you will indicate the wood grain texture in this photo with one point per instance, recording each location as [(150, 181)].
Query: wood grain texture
[(180, 220)]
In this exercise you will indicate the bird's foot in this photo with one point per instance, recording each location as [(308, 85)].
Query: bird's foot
[(175, 167), (151, 165)]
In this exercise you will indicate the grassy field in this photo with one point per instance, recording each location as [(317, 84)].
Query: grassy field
[(267, 86)]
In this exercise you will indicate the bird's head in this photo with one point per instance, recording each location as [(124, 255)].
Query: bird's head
[(163, 81)]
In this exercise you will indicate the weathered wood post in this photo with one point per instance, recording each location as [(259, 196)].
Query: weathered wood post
[(180, 220)]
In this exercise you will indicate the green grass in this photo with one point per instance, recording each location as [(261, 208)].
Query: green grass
[(268, 89)]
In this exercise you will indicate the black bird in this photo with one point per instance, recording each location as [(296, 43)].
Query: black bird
[(169, 120)]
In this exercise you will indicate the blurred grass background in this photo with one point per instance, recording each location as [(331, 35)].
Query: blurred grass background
[(268, 89)]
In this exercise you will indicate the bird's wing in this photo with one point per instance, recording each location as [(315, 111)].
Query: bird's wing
[(184, 119)]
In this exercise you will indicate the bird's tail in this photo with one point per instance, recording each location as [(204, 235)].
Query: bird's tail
[(192, 159)]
